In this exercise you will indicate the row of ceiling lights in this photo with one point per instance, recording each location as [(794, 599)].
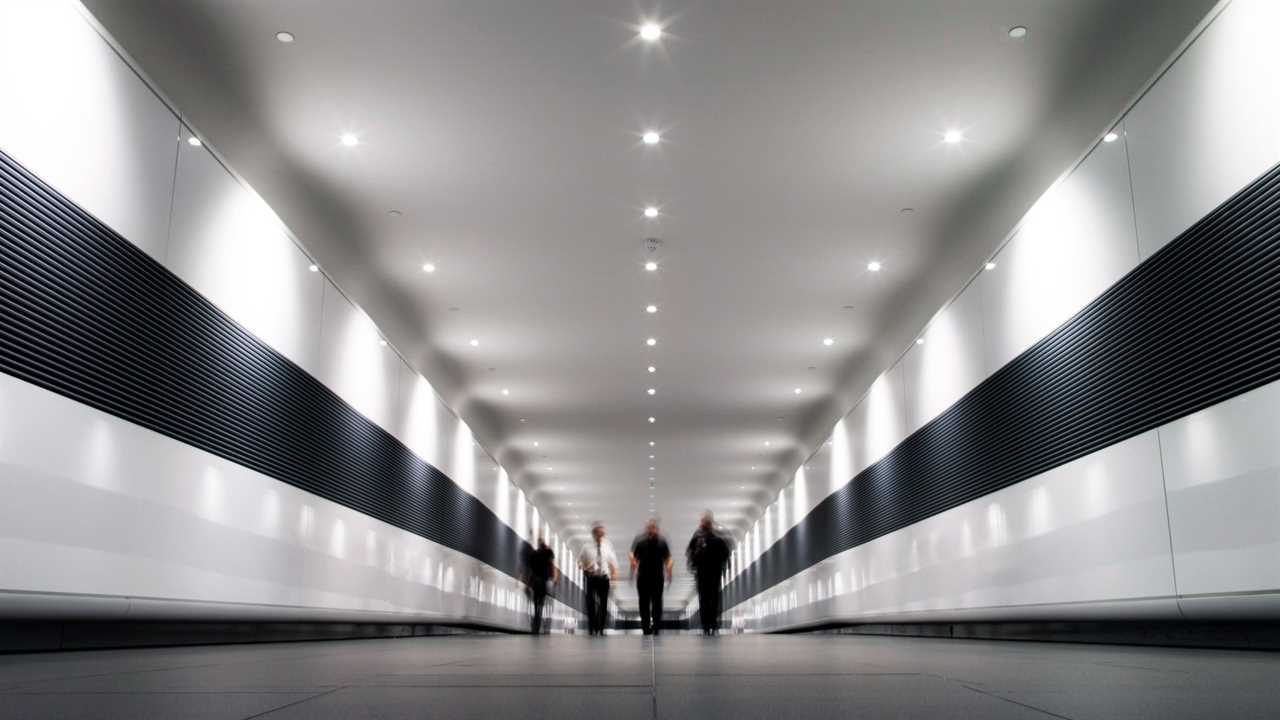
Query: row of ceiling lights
[(651, 32)]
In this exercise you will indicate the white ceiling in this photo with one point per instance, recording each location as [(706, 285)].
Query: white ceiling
[(508, 136)]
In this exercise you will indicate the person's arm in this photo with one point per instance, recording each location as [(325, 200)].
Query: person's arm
[(669, 564), (634, 563)]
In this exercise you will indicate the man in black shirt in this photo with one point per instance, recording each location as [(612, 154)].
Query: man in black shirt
[(651, 567), (540, 571), (708, 554)]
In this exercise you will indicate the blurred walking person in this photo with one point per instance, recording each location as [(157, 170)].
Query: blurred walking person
[(708, 556), (651, 569), (540, 573), (600, 566)]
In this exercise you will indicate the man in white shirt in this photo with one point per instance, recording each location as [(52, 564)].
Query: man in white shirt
[(600, 566)]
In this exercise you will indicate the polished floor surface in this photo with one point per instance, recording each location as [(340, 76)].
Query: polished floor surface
[(619, 678)]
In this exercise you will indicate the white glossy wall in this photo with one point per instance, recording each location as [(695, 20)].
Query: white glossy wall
[(105, 519), (1176, 523)]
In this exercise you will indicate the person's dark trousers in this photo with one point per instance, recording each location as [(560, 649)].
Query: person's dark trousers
[(539, 599), (709, 603), (650, 592), (597, 603)]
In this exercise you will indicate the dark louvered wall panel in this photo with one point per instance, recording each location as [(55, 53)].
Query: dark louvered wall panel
[(1195, 324), (88, 315)]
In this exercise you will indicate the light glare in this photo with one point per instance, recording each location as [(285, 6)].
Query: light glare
[(650, 32), (952, 137), (874, 266), (651, 138), (349, 139)]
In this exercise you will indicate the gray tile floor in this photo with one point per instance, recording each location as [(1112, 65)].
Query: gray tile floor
[(620, 678)]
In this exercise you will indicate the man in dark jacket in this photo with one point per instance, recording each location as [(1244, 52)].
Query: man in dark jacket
[(540, 572), (708, 555), (651, 567)]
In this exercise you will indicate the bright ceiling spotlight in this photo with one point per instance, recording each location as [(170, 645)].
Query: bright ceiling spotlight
[(652, 468), (652, 443), (1108, 138), (313, 267), (284, 37), (1017, 32), (535, 443), (475, 342), (506, 391), (873, 266), (652, 391), (349, 139), (919, 341), (990, 266), (650, 32), (194, 141), (828, 341), (651, 342), (767, 443), (382, 343), (651, 309), (651, 138), (428, 267), (653, 369), (651, 266), (651, 212), (797, 391), (753, 467), (652, 457), (653, 419), (952, 137)]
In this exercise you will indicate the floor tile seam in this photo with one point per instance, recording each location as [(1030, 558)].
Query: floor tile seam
[(1011, 701), (299, 701)]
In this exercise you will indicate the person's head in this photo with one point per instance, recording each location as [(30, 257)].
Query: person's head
[(651, 527), (597, 531), (708, 521), (542, 542)]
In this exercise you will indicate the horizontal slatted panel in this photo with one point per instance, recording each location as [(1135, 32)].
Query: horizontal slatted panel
[(1195, 324), (86, 314)]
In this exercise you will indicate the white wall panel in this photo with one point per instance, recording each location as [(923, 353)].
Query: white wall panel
[(949, 363), (879, 421), (1075, 242), (1222, 469), (354, 362), (1092, 531), (76, 115), (95, 506), (1210, 125), (227, 244)]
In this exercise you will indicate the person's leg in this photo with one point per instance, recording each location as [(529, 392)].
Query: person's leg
[(538, 599), (655, 611), (593, 600), (604, 603), (643, 589)]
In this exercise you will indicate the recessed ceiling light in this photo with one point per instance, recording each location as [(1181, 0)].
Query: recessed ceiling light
[(951, 137), (651, 309), (194, 141), (394, 213), (549, 468), (653, 369), (524, 420), (535, 443), (797, 391), (846, 307), (828, 341), (383, 343), (907, 210), (652, 468), (506, 391), (652, 443), (753, 467), (742, 487), (653, 419), (428, 267), (1017, 32), (651, 138), (284, 37), (313, 267), (919, 341), (651, 342), (652, 391), (651, 212), (650, 32), (767, 443), (651, 266), (990, 266), (652, 457), (349, 139), (874, 266), (1109, 137), (475, 342)]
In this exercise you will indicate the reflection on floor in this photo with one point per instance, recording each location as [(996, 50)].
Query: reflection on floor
[(618, 678)]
